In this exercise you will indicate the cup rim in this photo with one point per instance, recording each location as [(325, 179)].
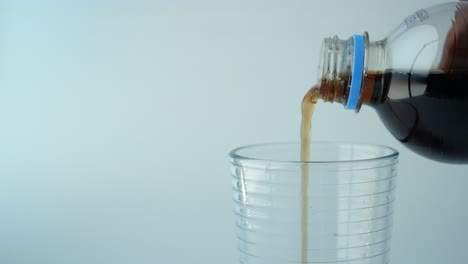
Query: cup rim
[(393, 153)]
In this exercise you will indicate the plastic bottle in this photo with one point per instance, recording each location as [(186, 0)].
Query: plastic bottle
[(416, 79)]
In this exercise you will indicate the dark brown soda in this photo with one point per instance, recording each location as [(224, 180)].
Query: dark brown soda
[(426, 111)]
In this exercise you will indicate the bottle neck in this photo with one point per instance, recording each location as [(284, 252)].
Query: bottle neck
[(349, 71)]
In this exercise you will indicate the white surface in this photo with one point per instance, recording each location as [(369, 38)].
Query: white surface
[(117, 117)]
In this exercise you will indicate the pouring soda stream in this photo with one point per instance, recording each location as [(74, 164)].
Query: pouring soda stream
[(416, 79)]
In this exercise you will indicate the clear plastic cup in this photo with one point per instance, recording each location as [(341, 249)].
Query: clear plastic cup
[(350, 197)]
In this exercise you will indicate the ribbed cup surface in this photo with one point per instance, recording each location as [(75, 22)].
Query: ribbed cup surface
[(350, 203)]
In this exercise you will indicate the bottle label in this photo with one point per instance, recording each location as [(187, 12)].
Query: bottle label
[(417, 17)]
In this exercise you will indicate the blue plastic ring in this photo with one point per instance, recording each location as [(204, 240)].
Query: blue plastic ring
[(357, 72)]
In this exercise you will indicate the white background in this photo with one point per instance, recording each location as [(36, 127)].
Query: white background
[(117, 118)]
